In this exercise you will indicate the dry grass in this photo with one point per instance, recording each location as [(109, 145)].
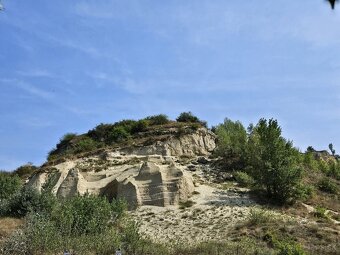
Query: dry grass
[(8, 226)]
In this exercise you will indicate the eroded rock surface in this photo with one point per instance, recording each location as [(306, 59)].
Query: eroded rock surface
[(143, 175)]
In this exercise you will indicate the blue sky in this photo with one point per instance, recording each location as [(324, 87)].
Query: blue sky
[(67, 66)]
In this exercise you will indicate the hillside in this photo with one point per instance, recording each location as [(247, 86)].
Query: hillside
[(187, 189)]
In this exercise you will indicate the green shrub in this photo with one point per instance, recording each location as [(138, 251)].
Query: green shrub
[(82, 225), (334, 170), (68, 137), (304, 191), (289, 248), (190, 118), (83, 215), (187, 117), (25, 171), (285, 246), (260, 216), (323, 166), (320, 212), (118, 134), (160, 119), (9, 185), (119, 208), (85, 144), (327, 185), (101, 132), (309, 161), (22, 202), (139, 126), (244, 179)]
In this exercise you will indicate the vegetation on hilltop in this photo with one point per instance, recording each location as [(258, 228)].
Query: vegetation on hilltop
[(121, 132)]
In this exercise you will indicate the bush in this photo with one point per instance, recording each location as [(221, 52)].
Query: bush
[(101, 132), (320, 212), (139, 126), (160, 119), (82, 225), (189, 117), (260, 216), (22, 202), (334, 170), (118, 134), (273, 162), (289, 248), (9, 185), (85, 144), (82, 215), (231, 144), (244, 179), (327, 185), (304, 191), (25, 171)]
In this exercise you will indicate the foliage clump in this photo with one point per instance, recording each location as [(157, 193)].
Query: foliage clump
[(231, 144), (261, 153), (160, 119), (189, 117), (9, 185), (327, 185), (273, 161)]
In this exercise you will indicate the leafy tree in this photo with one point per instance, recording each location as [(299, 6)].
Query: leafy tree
[(273, 161), (231, 143)]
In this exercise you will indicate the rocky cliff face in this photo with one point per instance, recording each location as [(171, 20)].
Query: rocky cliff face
[(144, 175)]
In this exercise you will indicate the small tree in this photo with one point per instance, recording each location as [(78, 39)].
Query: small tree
[(330, 146), (310, 149), (273, 161), (231, 143)]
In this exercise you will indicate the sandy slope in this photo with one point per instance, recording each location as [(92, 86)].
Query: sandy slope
[(214, 211)]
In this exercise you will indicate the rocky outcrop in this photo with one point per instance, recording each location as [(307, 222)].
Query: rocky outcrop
[(199, 143), (143, 175)]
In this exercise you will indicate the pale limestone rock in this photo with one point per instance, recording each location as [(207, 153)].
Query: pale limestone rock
[(142, 175)]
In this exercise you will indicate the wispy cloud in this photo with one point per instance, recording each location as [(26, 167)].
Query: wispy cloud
[(29, 88), (36, 73), (35, 91)]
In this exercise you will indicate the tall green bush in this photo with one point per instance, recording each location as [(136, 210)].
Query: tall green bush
[(9, 185)]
